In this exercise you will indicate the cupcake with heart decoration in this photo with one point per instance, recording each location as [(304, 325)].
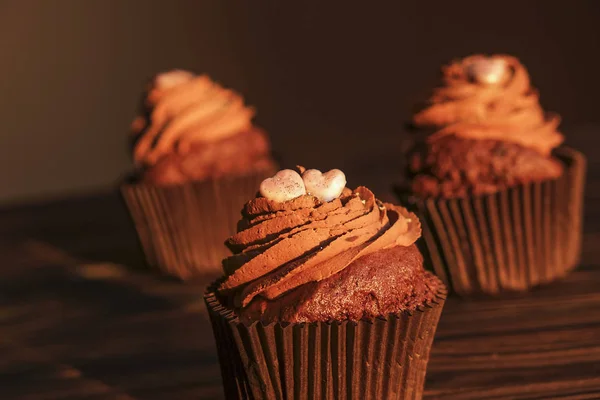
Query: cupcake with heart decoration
[(198, 157), (499, 197), (325, 295)]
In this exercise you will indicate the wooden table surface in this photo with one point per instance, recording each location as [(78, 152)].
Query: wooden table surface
[(81, 319)]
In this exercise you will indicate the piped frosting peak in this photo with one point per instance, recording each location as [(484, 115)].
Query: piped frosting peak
[(485, 97), (282, 245), (180, 109)]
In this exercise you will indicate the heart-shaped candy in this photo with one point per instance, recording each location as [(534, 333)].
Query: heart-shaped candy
[(325, 187), (170, 79), (489, 71), (285, 185)]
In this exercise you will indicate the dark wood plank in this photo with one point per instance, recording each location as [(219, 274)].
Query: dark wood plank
[(81, 318), (74, 326)]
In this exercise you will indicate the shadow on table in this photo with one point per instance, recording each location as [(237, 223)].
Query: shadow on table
[(126, 334), (95, 227)]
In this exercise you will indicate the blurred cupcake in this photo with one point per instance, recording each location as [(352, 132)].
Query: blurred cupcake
[(325, 296), (500, 201), (198, 158)]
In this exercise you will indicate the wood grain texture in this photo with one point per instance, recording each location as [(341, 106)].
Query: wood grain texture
[(80, 318)]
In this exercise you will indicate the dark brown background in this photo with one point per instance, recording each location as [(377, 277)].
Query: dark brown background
[(333, 82)]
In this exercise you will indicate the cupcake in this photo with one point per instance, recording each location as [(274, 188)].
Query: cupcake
[(325, 295), (500, 199), (198, 157)]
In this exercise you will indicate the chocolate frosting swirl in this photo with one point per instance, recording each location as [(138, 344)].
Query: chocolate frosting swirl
[(283, 245), (181, 109), (504, 107)]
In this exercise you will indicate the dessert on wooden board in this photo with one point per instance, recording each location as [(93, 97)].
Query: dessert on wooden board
[(499, 198), (198, 156), (325, 295)]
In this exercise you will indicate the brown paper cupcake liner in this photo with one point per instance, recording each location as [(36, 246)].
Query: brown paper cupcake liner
[(508, 241), (381, 359), (181, 227)]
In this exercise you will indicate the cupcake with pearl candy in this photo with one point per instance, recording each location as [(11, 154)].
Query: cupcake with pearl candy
[(198, 156), (325, 295), (499, 196)]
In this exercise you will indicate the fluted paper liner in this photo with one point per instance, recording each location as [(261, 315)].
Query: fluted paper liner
[(181, 227), (508, 241), (381, 359)]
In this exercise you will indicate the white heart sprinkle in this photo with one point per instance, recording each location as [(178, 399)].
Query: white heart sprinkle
[(285, 185), (325, 187), (489, 71), (170, 79)]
